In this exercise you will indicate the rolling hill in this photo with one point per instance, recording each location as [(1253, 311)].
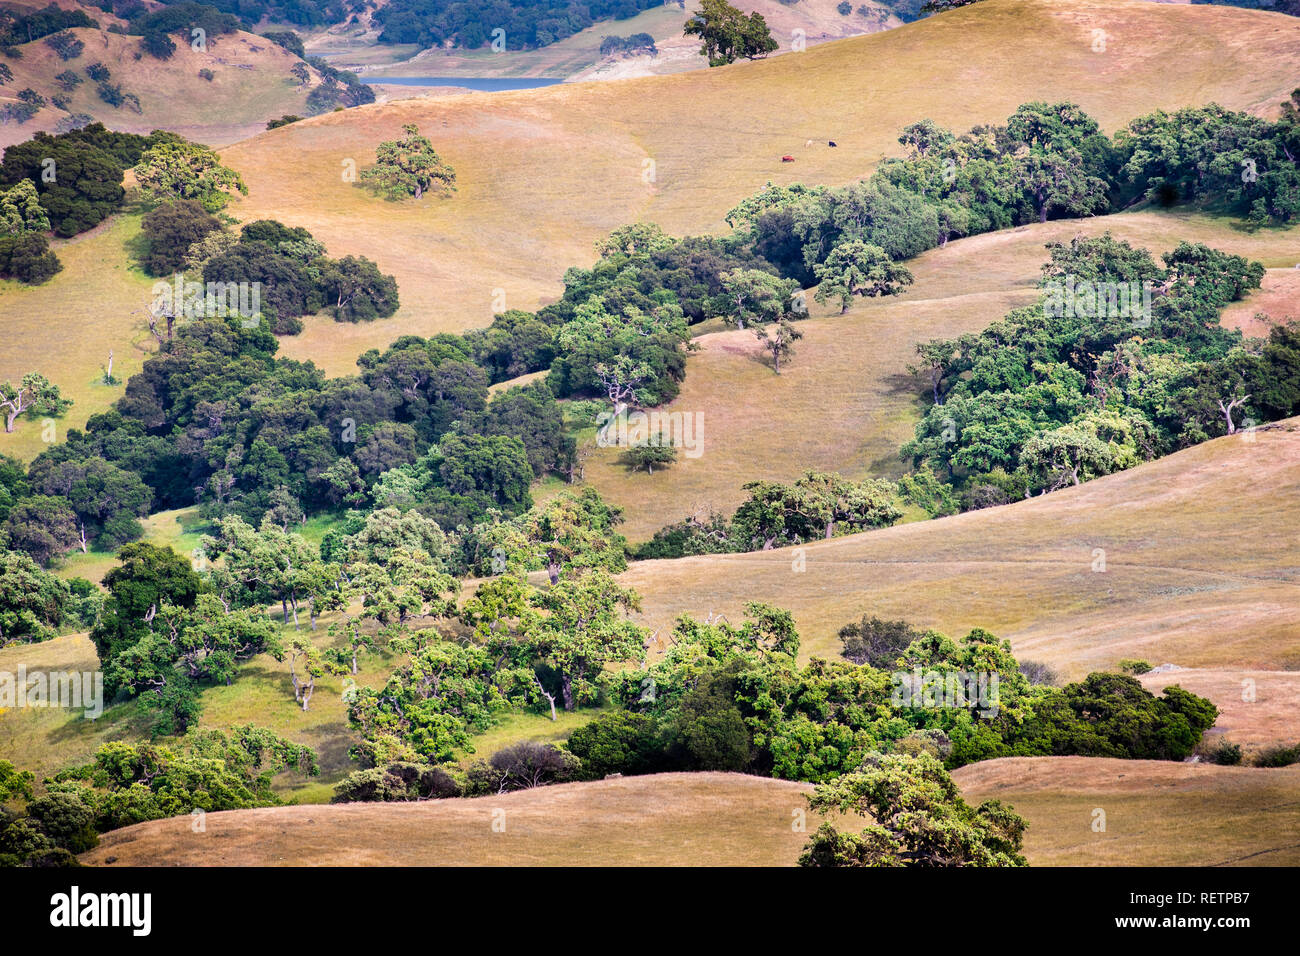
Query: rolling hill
[(1157, 814), (1199, 552), (849, 373), (251, 84), (544, 173), (669, 820)]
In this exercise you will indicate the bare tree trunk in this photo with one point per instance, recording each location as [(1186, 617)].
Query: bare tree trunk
[(566, 688), (550, 698)]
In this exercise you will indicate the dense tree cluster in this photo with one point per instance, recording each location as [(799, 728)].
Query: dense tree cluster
[(35, 605), (631, 45), (157, 26), (734, 698), (815, 506), (216, 417), (1050, 396), (337, 89), (75, 179), (125, 783)]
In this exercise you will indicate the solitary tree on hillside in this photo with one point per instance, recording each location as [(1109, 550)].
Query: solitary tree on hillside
[(727, 34), (780, 344), (408, 167)]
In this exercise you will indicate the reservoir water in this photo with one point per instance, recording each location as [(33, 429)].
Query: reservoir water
[(480, 83)]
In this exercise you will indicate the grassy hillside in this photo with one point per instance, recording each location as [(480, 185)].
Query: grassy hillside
[(1157, 814), (251, 84), (706, 819), (544, 173), (1199, 553), (849, 375), (66, 327)]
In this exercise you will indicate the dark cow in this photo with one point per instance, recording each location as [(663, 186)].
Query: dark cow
[(787, 159)]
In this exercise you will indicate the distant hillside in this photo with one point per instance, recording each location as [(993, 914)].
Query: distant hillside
[(808, 22), (250, 83)]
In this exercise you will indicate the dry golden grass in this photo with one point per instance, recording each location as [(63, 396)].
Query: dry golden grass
[(251, 84), (66, 328), (1257, 709), (544, 173), (1157, 813), (707, 819), (46, 740), (1200, 556), (846, 403), (1278, 300)]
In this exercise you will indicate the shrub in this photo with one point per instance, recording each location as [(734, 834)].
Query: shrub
[(1222, 752), (1112, 715), (110, 94), (1039, 673), (618, 742), (65, 44), (1133, 665), (158, 45), (522, 766), (28, 258), (1277, 756), (396, 782), (708, 731)]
